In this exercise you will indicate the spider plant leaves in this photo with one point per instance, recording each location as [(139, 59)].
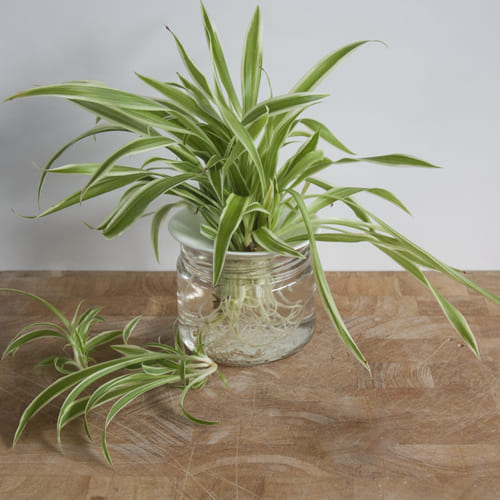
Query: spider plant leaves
[(136, 204), (219, 61), (177, 97), (239, 182), (275, 135), (194, 136), (193, 70), (317, 164), (344, 237), (95, 93), (388, 196), (325, 133), (74, 332), (91, 168), (313, 77), (268, 240), (77, 408), (408, 255), (280, 104), (305, 155), (230, 219), (101, 339), (134, 122), (258, 126), (121, 403), (136, 146), (109, 390), (156, 223), (20, 340), (163, 369), (433, 263), (196, 383), (195, 196), (241, 133), (103, 369), (150, 369), (308, 147), (231, 167), (300, 167), (44, 324), (344, 193), (360, 213), (100, 129), (454, 316), (215, 177), (175, 367), (323, 288), (182, 371), (140, 122), (59, 363), (76, 314), (391, 160), (105, 185), (223, 379), (254, 207), (252, 62), (62, 384), (129, 328), (205, 103), (88, 317), (208, 232), (42, 301), (130, 350)]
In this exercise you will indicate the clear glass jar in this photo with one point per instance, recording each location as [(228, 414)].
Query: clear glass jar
[(261, 310)]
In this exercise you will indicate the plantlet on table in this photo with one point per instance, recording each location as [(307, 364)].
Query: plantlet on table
[(75, 332), (92, 384)]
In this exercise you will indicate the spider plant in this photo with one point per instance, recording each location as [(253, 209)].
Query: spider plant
[(219, 152), (75, 333), (92, 384)]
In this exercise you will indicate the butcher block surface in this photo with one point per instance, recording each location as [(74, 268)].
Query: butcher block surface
[(425, 425)]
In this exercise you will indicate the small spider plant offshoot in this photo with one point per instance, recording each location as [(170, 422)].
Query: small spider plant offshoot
[(227, 156), (75, 333), (89, 384)]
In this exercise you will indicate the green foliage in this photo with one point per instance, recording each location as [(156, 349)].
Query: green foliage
[(75, 333), (90, 384), (222, 156)]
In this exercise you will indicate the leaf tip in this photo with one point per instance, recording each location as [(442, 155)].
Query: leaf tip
[(385, 44), (18, 433), (31, 217), (105, 450), (475, 349), (216, 274), (223, 379)]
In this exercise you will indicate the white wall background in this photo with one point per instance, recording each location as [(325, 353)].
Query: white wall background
[(434, 93)]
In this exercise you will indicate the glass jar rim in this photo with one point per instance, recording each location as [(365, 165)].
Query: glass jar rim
[(184, 226)]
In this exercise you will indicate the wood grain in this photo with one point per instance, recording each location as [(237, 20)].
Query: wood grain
[(315, 425)]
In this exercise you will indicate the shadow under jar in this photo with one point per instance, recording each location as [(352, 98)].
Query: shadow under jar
[(261, 310)]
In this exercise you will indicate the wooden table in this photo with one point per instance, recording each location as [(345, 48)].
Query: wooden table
[(315, 425)]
